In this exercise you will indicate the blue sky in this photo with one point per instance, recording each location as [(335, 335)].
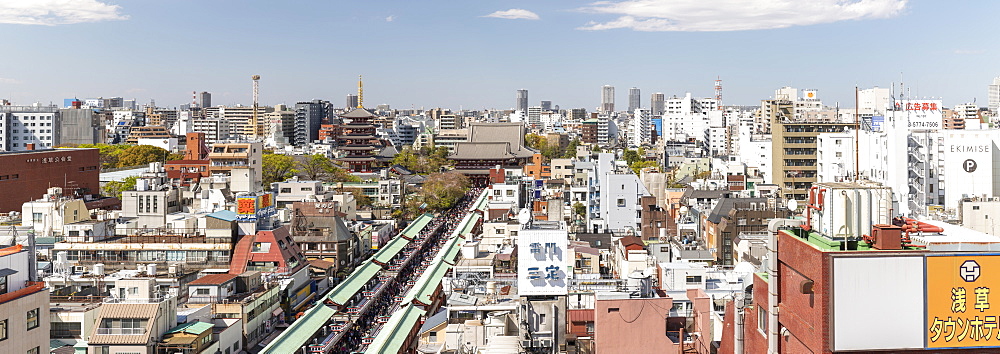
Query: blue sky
[(449, 54)]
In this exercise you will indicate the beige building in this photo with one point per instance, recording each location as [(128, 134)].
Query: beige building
[(24, 305), (241, 162), (793, 152)]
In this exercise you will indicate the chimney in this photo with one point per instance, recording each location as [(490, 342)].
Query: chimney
[(29, 146)]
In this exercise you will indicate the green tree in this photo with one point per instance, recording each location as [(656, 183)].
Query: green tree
[(631, 156), (639, 165), (442, 190), (314, 167), (580, 210), (571, 148), (277, 168), (115, 188), (363, 200), (136, 155), (423, 161), (108, 153)]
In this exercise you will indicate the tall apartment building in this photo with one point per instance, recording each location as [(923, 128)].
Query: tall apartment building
[(607, 98), (451, 121), (656, 104), (308, 117), (240, 161), (994, 95), (204, 99), (240, 118), (81, 126), (351, 102), (634, 99), (280, 127), (793, 157), (215, 129), (23, 125), (522, 100)]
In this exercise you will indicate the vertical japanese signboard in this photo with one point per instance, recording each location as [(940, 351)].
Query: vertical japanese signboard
[(961, 312)]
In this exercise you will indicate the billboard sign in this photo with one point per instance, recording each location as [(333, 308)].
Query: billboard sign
[(968, 162), (920, 114), (962, 307), (543, 270), (250, 208)]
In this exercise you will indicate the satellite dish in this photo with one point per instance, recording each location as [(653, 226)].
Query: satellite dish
[(793, 204), (524, 216)]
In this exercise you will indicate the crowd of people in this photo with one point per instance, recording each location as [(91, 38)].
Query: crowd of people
[(365, 325)]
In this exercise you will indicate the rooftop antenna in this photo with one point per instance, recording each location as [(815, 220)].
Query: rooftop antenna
[(253, 120), (857, 119)]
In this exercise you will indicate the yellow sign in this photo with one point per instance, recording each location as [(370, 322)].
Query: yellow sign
[(959, 308)]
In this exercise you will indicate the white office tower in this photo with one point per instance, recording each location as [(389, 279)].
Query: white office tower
[(633, 99), (639, 129), (608, 98), (873, 102), (994, 95), (686, 117)]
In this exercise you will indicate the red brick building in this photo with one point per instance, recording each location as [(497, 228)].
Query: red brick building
[(26, 175)]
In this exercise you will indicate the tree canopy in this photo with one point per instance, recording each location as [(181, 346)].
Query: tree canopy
[(277, 168), (423, 161), (442, 190), (143, 154), (115, 188)]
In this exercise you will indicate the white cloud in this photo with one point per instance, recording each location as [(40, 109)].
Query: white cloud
[(4, 80), (390, 18), (57, 12), (735, 15), (514, 14)]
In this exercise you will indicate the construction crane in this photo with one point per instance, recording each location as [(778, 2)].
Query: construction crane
[(253, 119)]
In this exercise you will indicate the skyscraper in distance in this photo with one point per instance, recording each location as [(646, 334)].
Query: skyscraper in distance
[(633, 99), (522, 100), (656, 104), (994, 95), (608, 98), (351, 102), (204, 99)]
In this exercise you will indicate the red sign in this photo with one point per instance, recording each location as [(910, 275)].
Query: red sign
[(917, 106), (246, 206)]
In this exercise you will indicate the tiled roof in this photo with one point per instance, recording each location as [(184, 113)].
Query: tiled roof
[(213, 279), (482, 150)]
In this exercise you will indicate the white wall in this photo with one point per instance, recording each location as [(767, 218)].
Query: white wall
[(889, 288)]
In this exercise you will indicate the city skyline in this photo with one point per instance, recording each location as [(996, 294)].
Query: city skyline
[(145, 51)]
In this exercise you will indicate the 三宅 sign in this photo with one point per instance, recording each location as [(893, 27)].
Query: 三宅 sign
[(542, 267)]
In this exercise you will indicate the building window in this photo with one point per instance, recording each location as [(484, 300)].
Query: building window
[(33, 350), (500, 231), (621, 202), (286, 190), (693, 279), (261, 247), (202, 291), (510, 192), (3, 284), (433, 337), (32, 318), (3, 329), (762, 320)]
